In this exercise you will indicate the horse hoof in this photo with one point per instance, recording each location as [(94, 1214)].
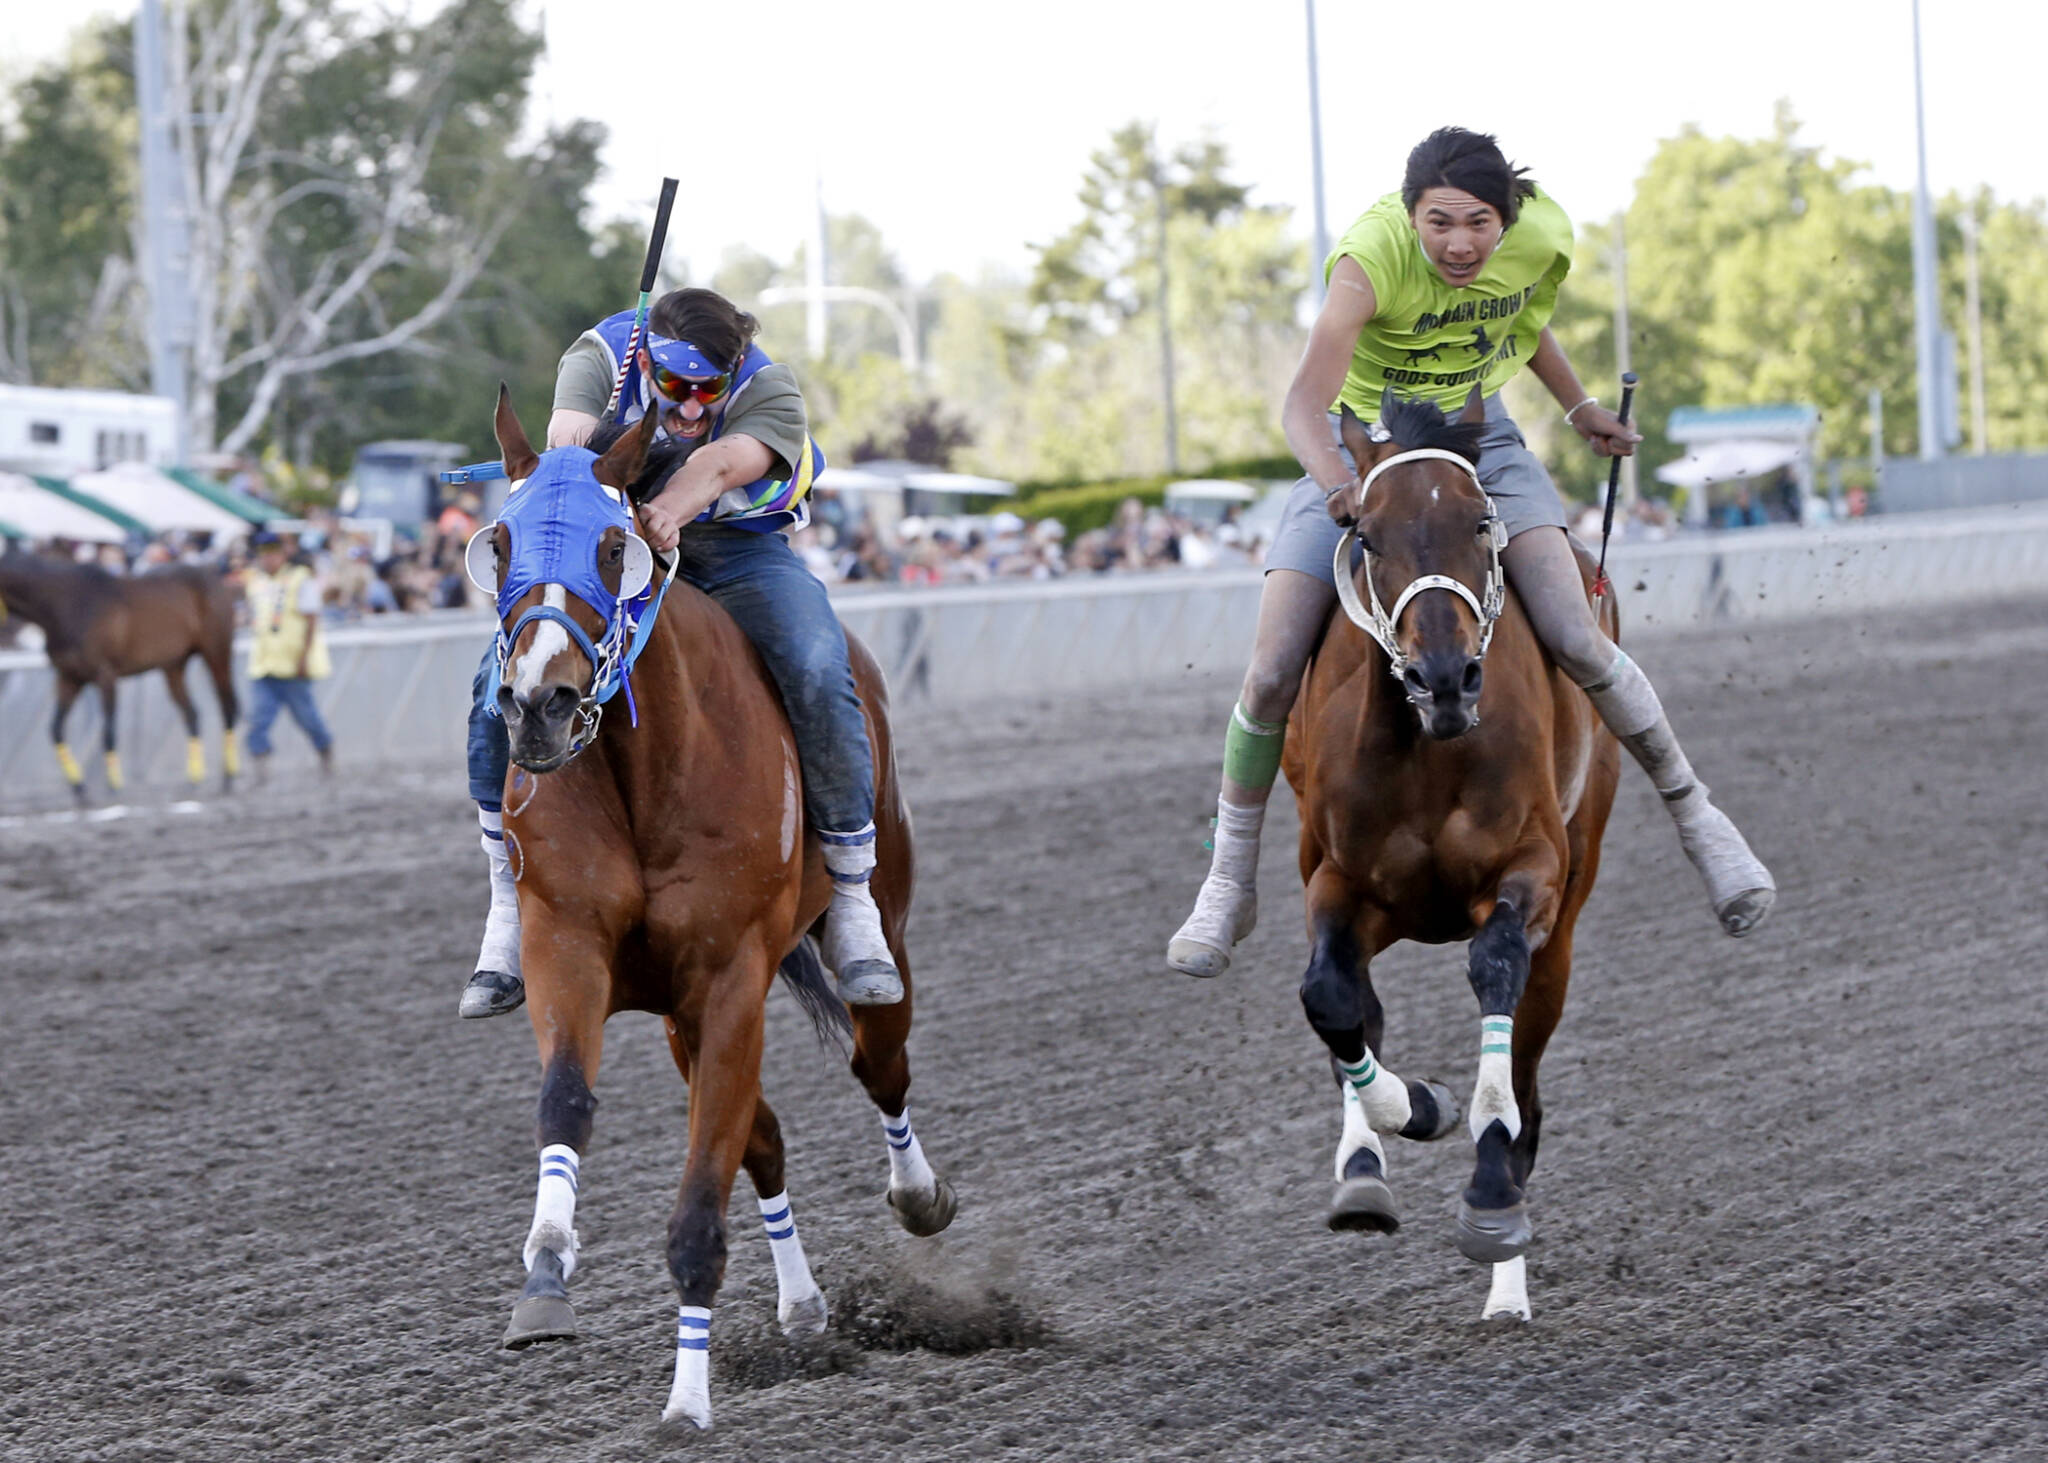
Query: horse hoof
[(806, 1315), (1192, 957), (491, 993), (1490, 1236), (870, 983), (1365, 1205), (540, 1318), (1433, 1112), (1746, 911), (925, 1214)]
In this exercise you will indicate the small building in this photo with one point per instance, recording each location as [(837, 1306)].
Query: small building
[(60, 432)]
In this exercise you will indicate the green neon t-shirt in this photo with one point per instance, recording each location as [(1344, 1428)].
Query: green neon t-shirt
[(1431, 341)]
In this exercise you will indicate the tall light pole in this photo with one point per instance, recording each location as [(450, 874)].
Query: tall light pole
[(1979, 432), (1315, 149), (1926, 307), (166, 243), (1621, 344), (1166, 327)]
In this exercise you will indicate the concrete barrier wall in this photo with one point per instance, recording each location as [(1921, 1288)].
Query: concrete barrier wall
[(400, 691)]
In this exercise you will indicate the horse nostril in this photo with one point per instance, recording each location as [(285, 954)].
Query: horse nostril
[(559, 704), (508, 704), (1472, 676), (1416, 683)]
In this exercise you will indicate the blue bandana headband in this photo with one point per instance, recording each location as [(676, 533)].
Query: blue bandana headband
[(684, 358)]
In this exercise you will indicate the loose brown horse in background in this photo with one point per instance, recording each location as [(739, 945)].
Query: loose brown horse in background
[(1442, 803), (98, 627), (666, 868)]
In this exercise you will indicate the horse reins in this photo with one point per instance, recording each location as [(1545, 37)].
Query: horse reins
[(1379, 622)]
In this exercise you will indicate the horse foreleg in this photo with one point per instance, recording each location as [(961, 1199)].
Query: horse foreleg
[(67, 693), (1493, 1222), (924, 1203), (195, 749), (220, 667), (107, 684), (724, 1050), (1338, 998), (568, 1022)]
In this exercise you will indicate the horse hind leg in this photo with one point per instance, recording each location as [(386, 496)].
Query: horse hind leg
[(800, 1305), (74, 775), (108, 699), (923, 1201)]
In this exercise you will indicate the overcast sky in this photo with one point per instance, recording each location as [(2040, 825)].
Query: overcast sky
[(962, 129)]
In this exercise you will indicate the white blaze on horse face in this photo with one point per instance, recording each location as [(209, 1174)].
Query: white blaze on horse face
[(549, 640), (1493, 1098)]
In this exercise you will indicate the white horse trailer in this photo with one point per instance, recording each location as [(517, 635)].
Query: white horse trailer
[(62, 432)]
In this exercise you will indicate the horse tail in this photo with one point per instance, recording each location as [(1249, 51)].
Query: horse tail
[(815, 992)]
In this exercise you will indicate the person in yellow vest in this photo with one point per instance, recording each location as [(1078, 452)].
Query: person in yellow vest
[(287, 652)]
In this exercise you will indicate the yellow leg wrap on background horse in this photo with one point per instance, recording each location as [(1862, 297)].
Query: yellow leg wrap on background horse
[(73, 773), (114, 771), (230, 754), (195, 760)]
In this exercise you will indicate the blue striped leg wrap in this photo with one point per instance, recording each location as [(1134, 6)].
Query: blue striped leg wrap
[(693, 1328)]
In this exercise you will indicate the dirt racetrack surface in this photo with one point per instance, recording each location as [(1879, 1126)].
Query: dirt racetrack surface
[(266, 1195)]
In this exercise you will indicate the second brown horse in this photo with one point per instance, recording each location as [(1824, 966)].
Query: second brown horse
[(665, 867), (1453, 785)]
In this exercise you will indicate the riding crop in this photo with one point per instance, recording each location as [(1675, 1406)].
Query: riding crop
[(1628, 392), (648, 270)]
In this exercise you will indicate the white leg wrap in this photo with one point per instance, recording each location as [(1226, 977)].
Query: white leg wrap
[(853, 925), (849, 857), (554, 1207), (1384, 1096), (1493, 1097), (1237, 843), (689, 1397), (800, 1305), (1508, 1297), (500, 948), (907, 1167), (1358, 1134)]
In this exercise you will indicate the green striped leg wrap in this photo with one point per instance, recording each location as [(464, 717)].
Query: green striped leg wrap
[(1383, 1095), (1493, 1097), (1251, 749)]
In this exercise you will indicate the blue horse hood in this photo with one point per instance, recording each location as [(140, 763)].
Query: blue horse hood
[(556, 519)]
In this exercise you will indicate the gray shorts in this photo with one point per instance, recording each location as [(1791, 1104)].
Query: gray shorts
[(1306, 540)]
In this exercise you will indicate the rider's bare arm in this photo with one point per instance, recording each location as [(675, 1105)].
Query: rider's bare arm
[(1306, 415), (567, 428), (730, 462), (1600, 427)]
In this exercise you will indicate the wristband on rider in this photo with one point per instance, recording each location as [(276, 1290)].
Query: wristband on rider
[(1589, 401)]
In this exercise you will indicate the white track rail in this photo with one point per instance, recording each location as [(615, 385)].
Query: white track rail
[(400, 691)]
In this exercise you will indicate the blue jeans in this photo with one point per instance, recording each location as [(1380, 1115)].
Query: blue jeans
[(267, 694), (782, 608)]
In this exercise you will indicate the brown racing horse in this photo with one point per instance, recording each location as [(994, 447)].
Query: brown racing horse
[(666, 867), (98, 627), (1453, 785)]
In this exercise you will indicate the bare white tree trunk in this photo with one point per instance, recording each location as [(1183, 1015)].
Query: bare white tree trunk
[(252, 315)]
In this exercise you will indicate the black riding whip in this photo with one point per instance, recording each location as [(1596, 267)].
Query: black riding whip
[(1628, 392), (647, 273)]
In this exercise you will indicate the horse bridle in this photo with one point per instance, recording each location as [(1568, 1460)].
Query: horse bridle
[(1378, 621)]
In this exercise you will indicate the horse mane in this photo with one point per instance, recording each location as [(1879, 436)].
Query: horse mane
[(1414, 423), (663, 458)]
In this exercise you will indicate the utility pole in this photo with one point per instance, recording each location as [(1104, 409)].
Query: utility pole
[(1979, 431), (1315, 148), (1926, 307), (1621, 344), (1166, 326), (814, 279), (165, 238)]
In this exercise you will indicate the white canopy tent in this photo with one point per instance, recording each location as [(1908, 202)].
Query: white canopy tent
[(41, 514), (1720, 462), (163, 503)]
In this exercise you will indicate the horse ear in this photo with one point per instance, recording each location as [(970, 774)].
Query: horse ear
[(621, 465), (1354, 436), (513, 448), (1475, 408)]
